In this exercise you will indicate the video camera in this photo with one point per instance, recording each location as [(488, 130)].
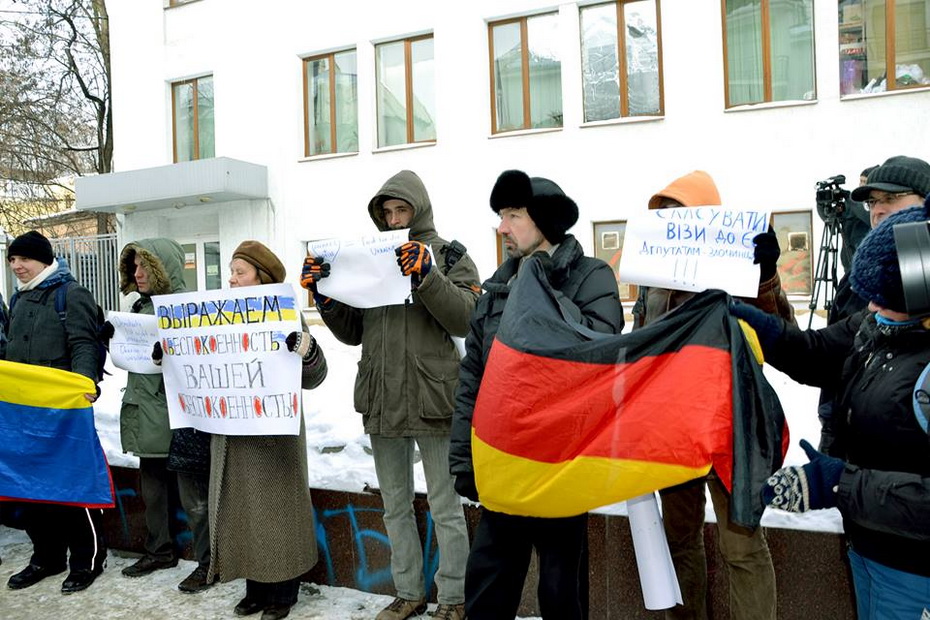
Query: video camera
[(912, 240), (831, 198)]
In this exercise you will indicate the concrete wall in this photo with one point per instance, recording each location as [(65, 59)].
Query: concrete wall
[(810, 568)]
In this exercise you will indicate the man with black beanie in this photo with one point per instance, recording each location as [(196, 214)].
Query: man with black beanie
[(535, 217)]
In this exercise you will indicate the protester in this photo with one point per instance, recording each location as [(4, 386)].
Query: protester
[(881, 481), (745, 551), (899, 183), (155, 267), (535, 217), (405, 389), (38, 335), (260, 509)]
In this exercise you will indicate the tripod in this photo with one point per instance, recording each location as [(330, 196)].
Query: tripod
[(825, 271)]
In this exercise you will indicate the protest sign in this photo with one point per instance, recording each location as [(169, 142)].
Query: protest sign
[(134, 337), (364, 271), (694, 249), (226, 365)]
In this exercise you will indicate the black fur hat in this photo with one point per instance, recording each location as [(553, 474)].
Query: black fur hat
[(550, 209)]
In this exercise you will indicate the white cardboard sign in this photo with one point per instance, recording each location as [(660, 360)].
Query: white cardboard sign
[(134, 337), (694, 249)]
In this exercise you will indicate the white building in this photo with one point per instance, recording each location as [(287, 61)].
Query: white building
[(785, 119)]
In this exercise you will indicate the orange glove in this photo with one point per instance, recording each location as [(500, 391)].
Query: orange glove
[(314, 270), (414, 260)]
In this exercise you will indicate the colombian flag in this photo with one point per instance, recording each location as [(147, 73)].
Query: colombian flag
[(49, 449), (568, 419)]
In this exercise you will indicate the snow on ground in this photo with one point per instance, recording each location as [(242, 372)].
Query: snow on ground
[(339, 458)]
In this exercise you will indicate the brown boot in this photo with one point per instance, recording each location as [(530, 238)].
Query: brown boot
[(449, 612), (401, 608)]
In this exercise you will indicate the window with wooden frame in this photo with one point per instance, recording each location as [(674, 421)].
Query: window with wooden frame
[(621, 60), (768, 51), (331, 103), (878, 34), (192, 119), (406, 96), (526, 73), (608, 246), (795, 264)]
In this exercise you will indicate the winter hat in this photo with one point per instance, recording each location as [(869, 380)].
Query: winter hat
[(897, 174), (695, 189), (876, 275), (547, 205), (270, 269), (32, 245)]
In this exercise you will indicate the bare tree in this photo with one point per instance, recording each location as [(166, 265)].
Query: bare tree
[(55, 116)]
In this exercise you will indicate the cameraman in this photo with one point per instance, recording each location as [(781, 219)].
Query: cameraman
[(897, 184)]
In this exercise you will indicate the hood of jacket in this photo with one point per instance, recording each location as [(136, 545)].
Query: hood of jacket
[(406, 186), (695, 189), (162, 258)]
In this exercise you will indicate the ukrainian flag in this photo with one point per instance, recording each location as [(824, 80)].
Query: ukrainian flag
[(49, 449)]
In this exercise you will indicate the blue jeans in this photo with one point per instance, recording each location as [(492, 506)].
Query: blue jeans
[(884, 593), (394, 466)]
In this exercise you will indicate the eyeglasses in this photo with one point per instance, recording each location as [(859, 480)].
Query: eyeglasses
[(886, 199)]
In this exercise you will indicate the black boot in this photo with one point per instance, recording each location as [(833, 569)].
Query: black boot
[(79, 580), (30, 576)]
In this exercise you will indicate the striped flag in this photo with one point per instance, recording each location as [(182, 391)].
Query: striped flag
[(568, 419), (49, 449)]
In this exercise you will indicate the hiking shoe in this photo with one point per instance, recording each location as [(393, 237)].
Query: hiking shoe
[(401, 608), (196, 581), (449, 612), (148, 564)]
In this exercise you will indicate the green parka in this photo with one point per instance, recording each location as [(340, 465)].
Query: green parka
[(143, 420), (409, 369)]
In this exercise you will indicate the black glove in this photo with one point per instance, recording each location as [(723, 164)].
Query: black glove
[(545, 260), (768, 326), (106, 333), (809, 487), (157, 353), (465, 485), (314, 270), (766, 254), (301, 343), (414, 260)]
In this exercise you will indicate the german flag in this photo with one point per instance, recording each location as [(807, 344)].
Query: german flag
[(49, 449), (568, 419)]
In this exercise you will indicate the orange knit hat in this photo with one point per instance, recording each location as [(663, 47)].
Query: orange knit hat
[(695, 189)]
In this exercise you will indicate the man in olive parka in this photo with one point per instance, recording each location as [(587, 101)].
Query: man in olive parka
[(155, 267), (405, 390)]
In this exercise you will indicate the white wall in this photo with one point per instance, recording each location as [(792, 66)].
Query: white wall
[(770, 156)]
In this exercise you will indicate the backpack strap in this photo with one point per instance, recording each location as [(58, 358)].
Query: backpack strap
[(61, 300)]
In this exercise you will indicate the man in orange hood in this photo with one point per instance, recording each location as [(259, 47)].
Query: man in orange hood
[(745, 552)]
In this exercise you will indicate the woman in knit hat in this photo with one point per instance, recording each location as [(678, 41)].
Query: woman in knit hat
[(881, 480), (260, 504)]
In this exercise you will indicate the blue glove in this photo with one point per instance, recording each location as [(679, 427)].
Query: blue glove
[(809, 487), (768, 326)]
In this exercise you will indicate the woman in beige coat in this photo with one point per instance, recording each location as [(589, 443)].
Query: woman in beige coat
[(261, 516)]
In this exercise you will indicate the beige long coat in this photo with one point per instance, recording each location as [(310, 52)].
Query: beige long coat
[(261, 516)]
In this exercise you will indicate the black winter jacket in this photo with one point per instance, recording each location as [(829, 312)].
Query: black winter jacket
[(587, 286), (884, 491)]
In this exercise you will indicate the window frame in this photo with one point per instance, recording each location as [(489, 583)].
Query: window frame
[(524, 69), (408, 89), (765, 42), (598, 228), (786, 277), (195, 128), (623, 73), (334, 145)]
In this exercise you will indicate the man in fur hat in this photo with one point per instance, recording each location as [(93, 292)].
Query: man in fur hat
[(535, 217)]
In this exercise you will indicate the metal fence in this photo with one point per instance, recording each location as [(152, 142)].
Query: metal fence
[(94, 261)]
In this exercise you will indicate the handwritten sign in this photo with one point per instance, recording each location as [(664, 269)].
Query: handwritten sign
[(693, 249), (134, 337), (226, 365), (364, 271)]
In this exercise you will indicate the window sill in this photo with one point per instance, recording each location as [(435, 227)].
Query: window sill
[(404, 147), (626, 120), (887, 93), (770, 105), (523, 132), (327, 156)]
